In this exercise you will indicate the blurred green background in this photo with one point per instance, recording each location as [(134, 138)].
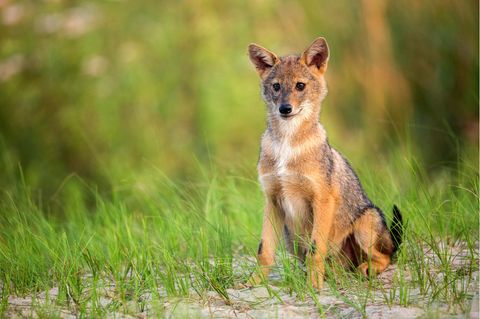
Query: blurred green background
[(115, 91)]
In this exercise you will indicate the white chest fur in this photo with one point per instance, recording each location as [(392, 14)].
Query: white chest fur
[(283, 154), (294, 206)]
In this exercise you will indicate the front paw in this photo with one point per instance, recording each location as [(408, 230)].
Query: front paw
[(363, 269), (254, 280), (316, 279)]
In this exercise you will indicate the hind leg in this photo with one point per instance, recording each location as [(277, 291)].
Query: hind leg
[(372, 236)]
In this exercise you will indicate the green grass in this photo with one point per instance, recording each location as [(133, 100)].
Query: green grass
[(170, 239)]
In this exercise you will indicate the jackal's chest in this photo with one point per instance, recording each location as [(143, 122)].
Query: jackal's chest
[(291, 191), (287, 174)]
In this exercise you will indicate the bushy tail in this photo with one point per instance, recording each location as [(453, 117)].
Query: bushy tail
[(396, 229)]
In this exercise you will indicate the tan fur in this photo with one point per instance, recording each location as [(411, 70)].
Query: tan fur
[(304, 186)]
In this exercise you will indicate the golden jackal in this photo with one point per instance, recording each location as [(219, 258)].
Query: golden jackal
[(312, 193)]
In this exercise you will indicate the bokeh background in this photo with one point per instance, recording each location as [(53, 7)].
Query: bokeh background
[(115, 91)]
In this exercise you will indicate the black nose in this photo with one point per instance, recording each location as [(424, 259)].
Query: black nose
[(285, 109)]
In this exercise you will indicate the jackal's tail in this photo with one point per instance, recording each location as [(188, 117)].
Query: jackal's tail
[(396, 229)]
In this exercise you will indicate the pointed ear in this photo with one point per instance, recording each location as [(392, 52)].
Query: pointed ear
[(316, 56), (262, 59)]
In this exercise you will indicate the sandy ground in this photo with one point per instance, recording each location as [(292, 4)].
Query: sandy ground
[(259, 302)]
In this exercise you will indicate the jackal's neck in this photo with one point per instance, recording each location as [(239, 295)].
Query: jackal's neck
[(281, 130)]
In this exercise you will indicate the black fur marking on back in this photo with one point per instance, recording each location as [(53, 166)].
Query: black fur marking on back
[(377, 209), (260, 247), (354, 197), (363, 194), (329, 163)]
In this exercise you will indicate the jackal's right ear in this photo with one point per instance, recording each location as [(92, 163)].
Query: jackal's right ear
[(262, 59)]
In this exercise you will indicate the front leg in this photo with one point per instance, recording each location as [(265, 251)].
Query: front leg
[(323, 214), (272, 225)]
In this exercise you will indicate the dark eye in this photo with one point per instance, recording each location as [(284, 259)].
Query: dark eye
[(300, 86), (276, 86)]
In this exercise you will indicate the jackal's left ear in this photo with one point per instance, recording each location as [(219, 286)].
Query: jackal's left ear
[(262, 59), (316, 56)]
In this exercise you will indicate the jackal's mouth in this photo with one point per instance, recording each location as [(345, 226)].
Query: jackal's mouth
[(287, 116)]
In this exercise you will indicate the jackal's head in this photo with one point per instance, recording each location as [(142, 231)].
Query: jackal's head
[(292, 86)]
